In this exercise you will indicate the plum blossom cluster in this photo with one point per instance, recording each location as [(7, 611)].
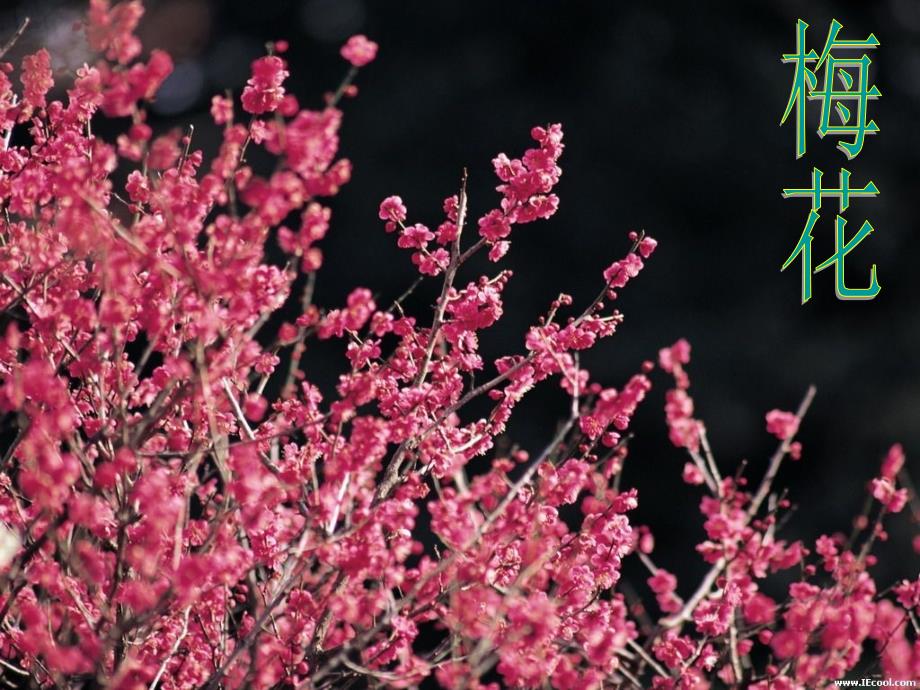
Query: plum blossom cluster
[(182, 506)]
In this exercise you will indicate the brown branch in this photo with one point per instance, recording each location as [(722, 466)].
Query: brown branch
[(391, 475), (762, 491), (767, 482), (8, 46)]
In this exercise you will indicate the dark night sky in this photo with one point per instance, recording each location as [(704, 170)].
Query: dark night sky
[(671, 114)]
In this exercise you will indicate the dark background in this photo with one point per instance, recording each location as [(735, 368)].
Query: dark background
[(671, 115)]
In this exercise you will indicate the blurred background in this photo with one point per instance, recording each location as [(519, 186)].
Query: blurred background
[(671, 115)]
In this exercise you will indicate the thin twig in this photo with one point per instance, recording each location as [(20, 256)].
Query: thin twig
[(658, 668), (449, 276), (8, 46), (762, 492), (733, 646), (710, 459), (778, 456), (343, 87), (172, 650), (391, 475)]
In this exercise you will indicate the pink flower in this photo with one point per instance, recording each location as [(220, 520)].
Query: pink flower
[(392, 210), (203, 447), (264, 91), (36, 78), (672, 357), (692, 473), (893, 462), (883, 490), (498, 250), (415, 237), (221, 110), (431, 263), (359, 51), (672, 650), (782, 424), (787, 644), (111, 29), (714, 616), (663, 584), (684, 430), (759, 609), (526, 187), (619, 273), (647, 246), (494, 226)]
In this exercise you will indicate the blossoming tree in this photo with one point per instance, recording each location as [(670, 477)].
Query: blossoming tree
[(167, 523)]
